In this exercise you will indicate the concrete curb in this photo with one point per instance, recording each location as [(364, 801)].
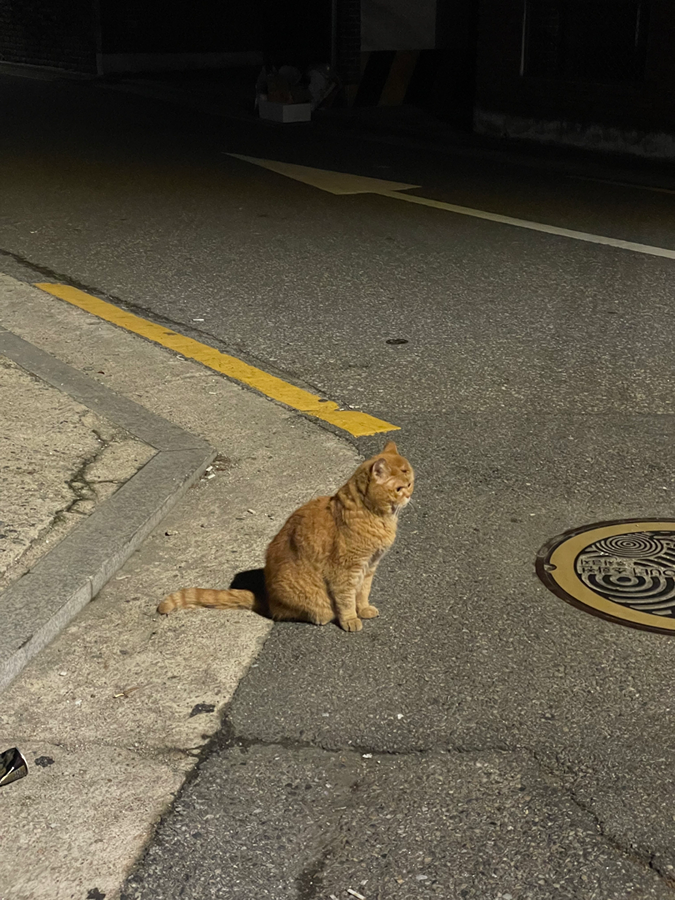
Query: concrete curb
[(41, 603)]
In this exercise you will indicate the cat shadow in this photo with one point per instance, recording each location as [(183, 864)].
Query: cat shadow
[(254, 580), (250, 580)]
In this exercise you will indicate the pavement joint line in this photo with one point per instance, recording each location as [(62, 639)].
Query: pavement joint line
[(627, 184), (355, 422), (37, 607)]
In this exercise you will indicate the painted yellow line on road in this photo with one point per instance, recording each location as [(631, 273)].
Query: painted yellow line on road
[(356, 423)]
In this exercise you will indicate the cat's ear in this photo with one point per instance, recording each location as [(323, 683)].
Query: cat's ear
[(390, 448), (380, 470)]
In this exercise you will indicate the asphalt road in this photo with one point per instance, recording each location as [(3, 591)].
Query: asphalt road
[(481, 739)]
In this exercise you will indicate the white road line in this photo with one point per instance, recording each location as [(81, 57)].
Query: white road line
[(345, 183), (534, 226)]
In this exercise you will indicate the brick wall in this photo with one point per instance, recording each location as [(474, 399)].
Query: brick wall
[(57, 33)]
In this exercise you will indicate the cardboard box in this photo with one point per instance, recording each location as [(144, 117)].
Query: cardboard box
[(284, 112)]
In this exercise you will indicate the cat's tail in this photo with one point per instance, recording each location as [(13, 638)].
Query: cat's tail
[(188, 598)]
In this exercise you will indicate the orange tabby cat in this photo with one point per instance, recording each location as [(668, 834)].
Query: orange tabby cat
[(320, 566)]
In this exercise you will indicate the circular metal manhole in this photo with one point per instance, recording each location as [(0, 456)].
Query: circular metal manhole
[(622, 571)]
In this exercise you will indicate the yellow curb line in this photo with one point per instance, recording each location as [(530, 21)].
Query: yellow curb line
[(356, 423)]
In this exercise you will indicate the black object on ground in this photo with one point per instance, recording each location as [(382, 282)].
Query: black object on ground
[(12, 766)]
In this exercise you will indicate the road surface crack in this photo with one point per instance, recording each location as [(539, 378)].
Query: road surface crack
[(637, 856)]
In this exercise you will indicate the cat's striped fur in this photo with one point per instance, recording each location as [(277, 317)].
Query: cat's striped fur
[(320, 566)]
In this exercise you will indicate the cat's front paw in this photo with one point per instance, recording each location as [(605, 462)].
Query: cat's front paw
[(369, 612), (351, 624)]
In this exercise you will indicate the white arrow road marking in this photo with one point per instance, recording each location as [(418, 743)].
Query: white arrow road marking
[(333, 182), (343, 183)]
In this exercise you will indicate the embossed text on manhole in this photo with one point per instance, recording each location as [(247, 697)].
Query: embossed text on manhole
[(623, 571)]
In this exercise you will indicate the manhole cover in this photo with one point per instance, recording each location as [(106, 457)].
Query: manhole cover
[(623, 571)]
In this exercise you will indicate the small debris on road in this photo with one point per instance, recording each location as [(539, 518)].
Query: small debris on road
[(125, 693), (202, 708), (355, 894)]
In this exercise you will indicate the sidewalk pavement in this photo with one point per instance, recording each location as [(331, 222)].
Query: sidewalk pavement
[(60, 461), (106, 433), (51, 442)]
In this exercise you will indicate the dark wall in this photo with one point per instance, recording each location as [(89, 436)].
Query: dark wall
[(349, 41), (180, 26), (68, 33), (58, 33), (454, 89), (640, 98), (295, 30)]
